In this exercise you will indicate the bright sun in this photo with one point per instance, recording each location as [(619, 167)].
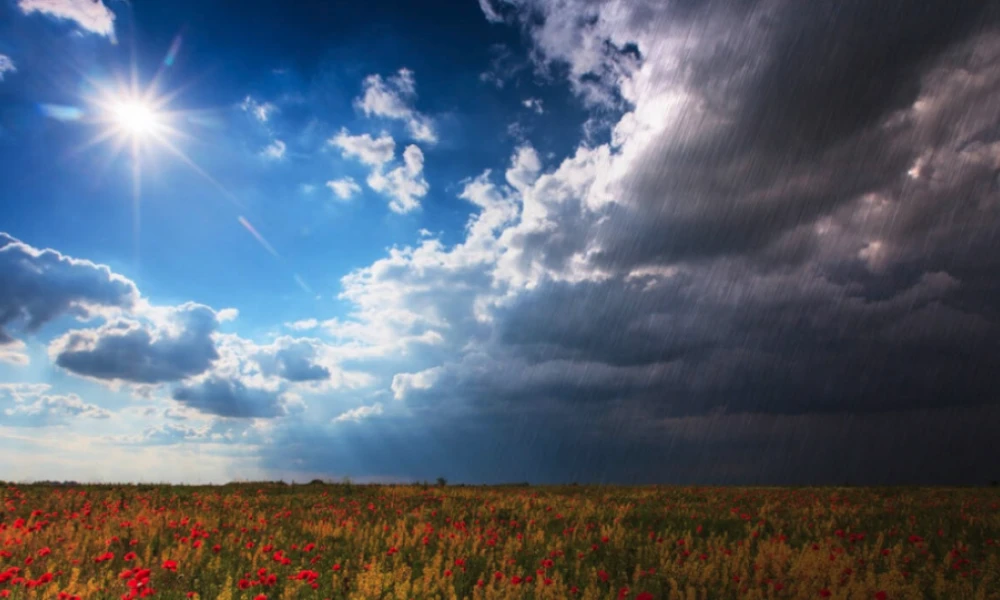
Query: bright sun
[(135, 118)]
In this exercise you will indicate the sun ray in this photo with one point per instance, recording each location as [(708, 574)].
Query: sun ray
[(194, 166), (137, 119)]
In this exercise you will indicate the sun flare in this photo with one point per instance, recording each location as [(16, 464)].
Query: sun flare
[(128, 115), (135, 118)]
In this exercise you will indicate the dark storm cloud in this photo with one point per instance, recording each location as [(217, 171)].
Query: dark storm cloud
[(37, 286), (837, 67), (226, 397), (136, 353), (613, 322), (790, 112), (831, 233), (942, 446), (807, 99), (825, 244), (506, 448), (795, 279), (740, 338)]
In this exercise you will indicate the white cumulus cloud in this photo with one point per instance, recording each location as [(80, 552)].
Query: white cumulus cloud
[(403, 383), (90, 15), (391, 98), (373, 152), (404, 184)]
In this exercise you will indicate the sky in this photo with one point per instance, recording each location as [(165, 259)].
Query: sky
[(594, 241)]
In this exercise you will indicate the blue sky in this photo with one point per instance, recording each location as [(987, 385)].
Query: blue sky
[(307, 78), (495, 240)]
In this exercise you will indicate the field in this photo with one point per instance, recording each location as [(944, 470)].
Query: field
[(273, 541)]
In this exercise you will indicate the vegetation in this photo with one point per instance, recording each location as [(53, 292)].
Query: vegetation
[(327, 540)]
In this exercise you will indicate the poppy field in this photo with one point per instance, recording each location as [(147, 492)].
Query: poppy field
[(276, 541)]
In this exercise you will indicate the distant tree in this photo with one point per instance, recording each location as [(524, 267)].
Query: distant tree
[(316, 482), (441, 481), (994, 483)]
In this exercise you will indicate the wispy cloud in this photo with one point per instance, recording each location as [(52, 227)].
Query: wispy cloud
[(30, 405), (303, 325), (489, 12), (504, 66), (90, 15), (275, 150), (360, 413), (6, 66), (344, 188), (534, 104), (13, 353), (261, 111)]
